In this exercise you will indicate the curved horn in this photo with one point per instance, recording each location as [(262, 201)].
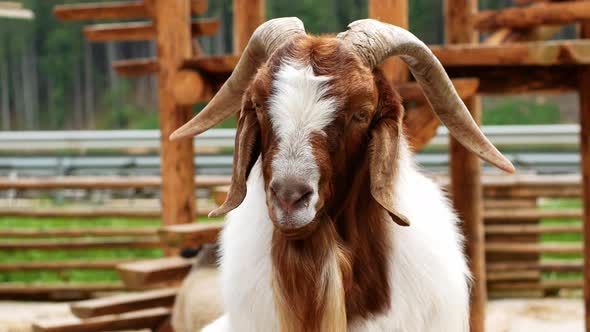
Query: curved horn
[(374, 41), (265, 40)]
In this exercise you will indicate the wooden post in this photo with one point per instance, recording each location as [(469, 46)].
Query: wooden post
[(465, 170), (584, 92), (393, 12), (248, 15), (174, 45)]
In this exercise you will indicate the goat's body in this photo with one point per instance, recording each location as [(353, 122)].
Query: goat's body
[(428, 274)]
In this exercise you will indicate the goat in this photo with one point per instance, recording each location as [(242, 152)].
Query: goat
[(321, 169)]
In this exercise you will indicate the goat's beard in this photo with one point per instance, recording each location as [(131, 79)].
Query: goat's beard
[(310, 276)]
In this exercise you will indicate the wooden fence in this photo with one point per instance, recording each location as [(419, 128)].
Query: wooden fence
[(515, 227)]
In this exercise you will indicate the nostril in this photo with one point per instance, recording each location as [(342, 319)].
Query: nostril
[(290, 193)]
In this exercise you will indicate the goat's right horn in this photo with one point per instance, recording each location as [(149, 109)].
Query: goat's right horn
[(374, 41), (266, 39)]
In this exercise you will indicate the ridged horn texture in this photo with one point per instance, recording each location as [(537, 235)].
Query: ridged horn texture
[(374, 41), (266, 39)]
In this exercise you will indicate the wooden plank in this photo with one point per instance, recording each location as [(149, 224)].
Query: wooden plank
[(79, 244), (545, 285), (546, 53), (520, 79), (102, 182), (221, 64), (82, 213), (146, 319), (16, 13), (559, 13), (78, 232), (155, 271), (393, 12), (190, 235), (124, 303), (532, 229), (544, 266), (56, 292), (584, 100), (465, 171), (248, 15), (136, 67), (524, 248), (514, 275), (466, 87), (174, 42), (143, 30), (114, 10), (532, 214), (61, 265)]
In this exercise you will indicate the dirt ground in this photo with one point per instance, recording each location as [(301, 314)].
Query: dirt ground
[(549, 315)]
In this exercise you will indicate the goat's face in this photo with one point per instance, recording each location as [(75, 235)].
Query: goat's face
[(315, 103)]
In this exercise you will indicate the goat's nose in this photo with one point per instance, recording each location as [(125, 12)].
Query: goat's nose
[(291, 193)]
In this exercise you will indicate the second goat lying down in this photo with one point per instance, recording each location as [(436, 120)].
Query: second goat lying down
[(324, 186)]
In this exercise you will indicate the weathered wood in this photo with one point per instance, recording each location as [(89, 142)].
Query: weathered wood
[(532, 229), (532, 214), (465, 171), (393, 12), (155, 271), (514, 275), (545, 285), (220, 64), (188, 87), (544, 266), (466, 88), (56, 292), (143, 30), (102, 182), (124, 303), (248, 15), (520, 79), (78, 232), (82, 213), (79, 244), (507, 35), (174, 42), (548, 53), (524, 248), (61, 265), (136, 67), (146, 319), (114, 10), (559, 13), (584, 95), (190, 235)]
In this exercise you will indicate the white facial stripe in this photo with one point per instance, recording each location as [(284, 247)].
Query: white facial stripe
[(297, 108)]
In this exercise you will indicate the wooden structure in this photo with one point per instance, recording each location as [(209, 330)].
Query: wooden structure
[(14, 10), (497, 66)]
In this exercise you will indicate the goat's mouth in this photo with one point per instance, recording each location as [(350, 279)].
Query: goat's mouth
[(296, 221)]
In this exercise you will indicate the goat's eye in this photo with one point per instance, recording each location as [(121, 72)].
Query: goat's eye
[(257, 106), (360, 116)]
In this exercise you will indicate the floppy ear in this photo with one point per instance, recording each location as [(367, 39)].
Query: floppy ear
[(384, 149), (246, 151)]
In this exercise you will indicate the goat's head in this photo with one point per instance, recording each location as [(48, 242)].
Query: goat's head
[(312, 106)]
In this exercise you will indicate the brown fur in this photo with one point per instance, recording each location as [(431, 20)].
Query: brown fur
[(335, 271)]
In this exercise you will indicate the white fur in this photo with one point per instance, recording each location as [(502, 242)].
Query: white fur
[(428, 273), (297, 108)]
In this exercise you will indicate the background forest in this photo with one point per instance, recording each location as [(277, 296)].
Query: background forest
[(52, 79)]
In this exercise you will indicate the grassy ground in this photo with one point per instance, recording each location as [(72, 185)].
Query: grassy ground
[(106, 254)]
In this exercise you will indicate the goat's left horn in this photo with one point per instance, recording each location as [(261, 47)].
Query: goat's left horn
[(374, 41), (266, 39)]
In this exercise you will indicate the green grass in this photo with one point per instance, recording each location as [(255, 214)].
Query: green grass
[(73, 276)]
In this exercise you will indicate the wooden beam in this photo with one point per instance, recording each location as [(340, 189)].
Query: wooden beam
[(84, 213), (532, 229), (61, 265), (544, 266), (16, 13), (466, 88), (524, 248), (79, 244), (532, 214), (78, 232), (174, 41), (102, 182), (520, 79), (393, 12), (156, 271), (136, 67), (114, 10), (146, 319), (544, 285), (584, 100), (248, 15), (222, 64), (189, 87), (190, 235), (551, 53), (465, 171), (558, 13), (119, 304), (57, 292), (143, 30)]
